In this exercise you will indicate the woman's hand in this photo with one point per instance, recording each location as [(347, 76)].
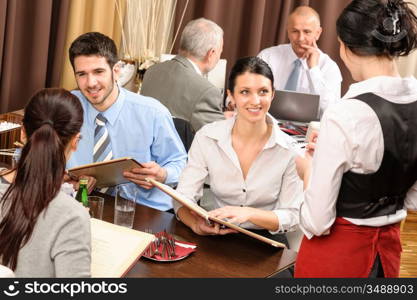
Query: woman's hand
[(202, 227), (304, 163), (311, 146), (233, 214), (76, 181)]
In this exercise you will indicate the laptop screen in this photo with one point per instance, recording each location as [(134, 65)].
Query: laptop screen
[(295, 106)]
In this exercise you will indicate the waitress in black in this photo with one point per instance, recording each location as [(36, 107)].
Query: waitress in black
[(362, 178)]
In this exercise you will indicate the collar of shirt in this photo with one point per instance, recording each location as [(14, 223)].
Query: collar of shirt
[(196, 68), (394, 89), (112, 113), (223, 134)]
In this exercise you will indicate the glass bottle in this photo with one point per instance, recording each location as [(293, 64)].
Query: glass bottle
[(82, 194)]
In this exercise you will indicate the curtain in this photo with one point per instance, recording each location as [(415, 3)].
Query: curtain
[(31, 46), (250, 26), (86, 16)]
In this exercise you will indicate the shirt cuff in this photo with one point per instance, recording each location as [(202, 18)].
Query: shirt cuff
[(307, 233), (284, 221), (176, 207), (172, 176)]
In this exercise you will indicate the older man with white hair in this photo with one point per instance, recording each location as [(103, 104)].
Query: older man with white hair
[(300, 65), (180, 83)]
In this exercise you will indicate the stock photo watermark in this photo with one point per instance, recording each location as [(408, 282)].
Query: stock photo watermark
[(71, 289)]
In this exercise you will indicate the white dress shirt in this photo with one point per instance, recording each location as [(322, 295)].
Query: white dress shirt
[(271, 184), (196, 68), (351, 139), (324, 79)]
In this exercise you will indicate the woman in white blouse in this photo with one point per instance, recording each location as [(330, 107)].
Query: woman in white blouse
[(246, 159), (364, 172)]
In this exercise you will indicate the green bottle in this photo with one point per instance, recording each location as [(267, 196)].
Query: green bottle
[(82, 194)]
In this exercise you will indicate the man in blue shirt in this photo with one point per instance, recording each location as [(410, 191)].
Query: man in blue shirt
[(137, 126)]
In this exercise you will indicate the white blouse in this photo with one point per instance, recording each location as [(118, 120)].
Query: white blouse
[(271, 183), (351, 139)]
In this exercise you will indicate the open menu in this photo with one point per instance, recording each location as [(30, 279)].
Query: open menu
[(107, 173), (115, 248), (203, 213)]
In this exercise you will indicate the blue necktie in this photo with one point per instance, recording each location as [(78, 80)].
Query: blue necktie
[(292, 81)]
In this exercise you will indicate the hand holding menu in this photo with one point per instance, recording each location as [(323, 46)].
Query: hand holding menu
[(203, 213), (107, 173), (115, 248)]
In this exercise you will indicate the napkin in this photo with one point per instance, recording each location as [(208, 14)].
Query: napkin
[(182, 249)]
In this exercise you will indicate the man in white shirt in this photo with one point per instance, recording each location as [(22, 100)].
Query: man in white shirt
[(301, 66)]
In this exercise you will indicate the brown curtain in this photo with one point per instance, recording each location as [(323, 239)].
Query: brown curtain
[(86, 16), (31, 45), (250, 26)]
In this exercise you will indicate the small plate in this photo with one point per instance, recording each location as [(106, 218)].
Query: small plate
[(176, 258), (168, 260)]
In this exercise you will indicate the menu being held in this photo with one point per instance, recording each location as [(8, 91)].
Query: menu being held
[(115, 248), (203, 213)]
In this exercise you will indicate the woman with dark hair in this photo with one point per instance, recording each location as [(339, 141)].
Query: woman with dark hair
[(43, 231), (246, 159), (363, 176)]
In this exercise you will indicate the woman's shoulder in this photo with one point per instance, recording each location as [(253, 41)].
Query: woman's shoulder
[(347, 110), (65, 207), (216, 129)]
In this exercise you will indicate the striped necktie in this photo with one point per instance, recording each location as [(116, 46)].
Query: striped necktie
[(292, 81), (102, 145)]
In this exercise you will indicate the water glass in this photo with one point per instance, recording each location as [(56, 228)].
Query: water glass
[(95, 205), (124, 207)]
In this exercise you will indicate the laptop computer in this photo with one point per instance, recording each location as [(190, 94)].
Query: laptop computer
[(295, 106)]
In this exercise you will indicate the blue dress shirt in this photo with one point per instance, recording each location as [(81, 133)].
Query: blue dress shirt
[(139, 127)]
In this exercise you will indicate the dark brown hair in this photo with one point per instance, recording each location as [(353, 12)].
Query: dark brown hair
[(52, 118), (94, 43), (378, 27), (251, 64)]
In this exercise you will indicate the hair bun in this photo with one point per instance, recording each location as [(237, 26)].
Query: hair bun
[(378, 27)]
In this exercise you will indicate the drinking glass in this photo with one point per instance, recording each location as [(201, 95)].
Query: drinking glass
[(96, 204), (124, 206)]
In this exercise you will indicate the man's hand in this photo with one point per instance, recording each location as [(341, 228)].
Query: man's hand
[(311, 54), (151, 170)]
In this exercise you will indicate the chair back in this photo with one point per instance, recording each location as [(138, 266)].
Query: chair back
[(185, 132)]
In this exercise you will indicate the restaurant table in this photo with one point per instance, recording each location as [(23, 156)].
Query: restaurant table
[(232, 255)]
